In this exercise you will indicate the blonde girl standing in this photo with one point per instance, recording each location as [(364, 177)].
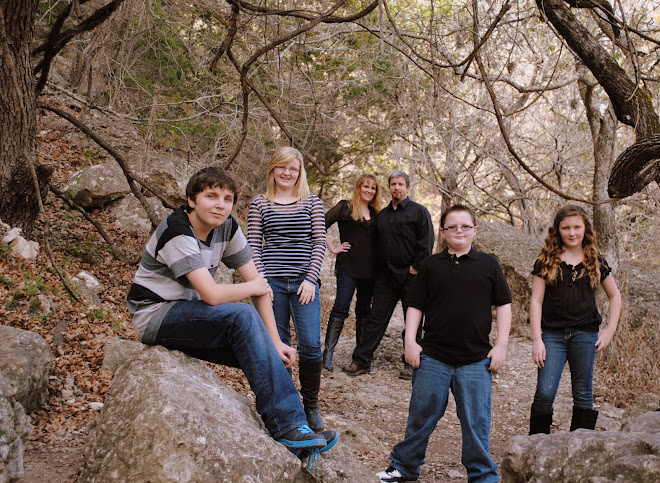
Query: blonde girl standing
[(286, 231)]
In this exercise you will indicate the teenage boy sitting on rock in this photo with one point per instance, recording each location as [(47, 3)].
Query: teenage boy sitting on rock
[(176, 303), (455, 290)]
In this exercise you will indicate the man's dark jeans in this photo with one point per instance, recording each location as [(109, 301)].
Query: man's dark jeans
[(387, 293)]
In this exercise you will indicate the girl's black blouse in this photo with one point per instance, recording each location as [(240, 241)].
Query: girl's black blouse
[(570, 302), (359, 261)]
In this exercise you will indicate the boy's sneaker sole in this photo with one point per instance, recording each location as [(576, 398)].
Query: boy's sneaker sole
[(392, 475)]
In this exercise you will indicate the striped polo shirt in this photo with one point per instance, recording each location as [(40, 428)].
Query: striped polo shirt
[(172, 252), (287, 240)]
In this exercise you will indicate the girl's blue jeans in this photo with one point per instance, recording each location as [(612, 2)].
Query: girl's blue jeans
[(471, 386), (234, 334), (306, 318), (578, 348)]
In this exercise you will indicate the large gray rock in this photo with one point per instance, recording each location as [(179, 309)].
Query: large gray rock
[(166, 172), (97, 185), (15, 430), (25, 361), (130, 215), (516, 253), (169, 419), (582, 455)]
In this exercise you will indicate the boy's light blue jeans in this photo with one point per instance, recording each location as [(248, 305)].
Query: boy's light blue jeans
[(234, 334), (471, 387), (579, 349)]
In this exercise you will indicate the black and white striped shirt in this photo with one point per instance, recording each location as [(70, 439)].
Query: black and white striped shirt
[(287, 240), (172, 252)]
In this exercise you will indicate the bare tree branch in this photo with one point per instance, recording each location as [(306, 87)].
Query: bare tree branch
[(57, 39), (512, 150), (111, 244)]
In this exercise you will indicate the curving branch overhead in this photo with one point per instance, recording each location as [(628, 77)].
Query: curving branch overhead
[(639, 164)]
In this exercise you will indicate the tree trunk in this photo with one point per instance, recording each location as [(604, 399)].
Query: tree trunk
[(18, 203), (603, 136)]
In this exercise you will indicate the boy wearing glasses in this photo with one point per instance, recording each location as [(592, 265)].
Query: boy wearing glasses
[(455, 290)]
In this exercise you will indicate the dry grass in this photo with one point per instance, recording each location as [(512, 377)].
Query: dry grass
[(630, 366)]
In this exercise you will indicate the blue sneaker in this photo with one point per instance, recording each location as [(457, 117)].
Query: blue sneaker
[(330, 436), (302, 438)]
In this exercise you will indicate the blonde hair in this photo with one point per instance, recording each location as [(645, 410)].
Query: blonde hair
[(550, 257), (282, 156), (375, 203)]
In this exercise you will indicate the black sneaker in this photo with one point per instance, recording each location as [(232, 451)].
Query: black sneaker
[(392, 475), (302, 438)]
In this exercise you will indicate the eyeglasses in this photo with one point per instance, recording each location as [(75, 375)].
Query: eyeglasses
[(283, 169), (455, 228)]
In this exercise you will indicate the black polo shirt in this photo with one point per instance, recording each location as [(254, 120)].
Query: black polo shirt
[(360, 260), (456, 295), (405, 237), (571, 301)]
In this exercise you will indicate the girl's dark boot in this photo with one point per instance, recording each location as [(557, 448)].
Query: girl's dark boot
[(583, 418), (310, 383), (360, 324), (539, 423), (332, 334)]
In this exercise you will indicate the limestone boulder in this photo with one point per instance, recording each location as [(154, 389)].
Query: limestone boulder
[(516, 252), (169, 419), (582, 455), (15, 430), (167, 172), (130, 215), (643, 404), (97, 185), (25, 362)]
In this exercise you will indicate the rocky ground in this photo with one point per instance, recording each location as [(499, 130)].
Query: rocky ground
[(371, 411)]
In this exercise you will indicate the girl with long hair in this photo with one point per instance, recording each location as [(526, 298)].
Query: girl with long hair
[(286, 232), (355, 265), (564, 318)]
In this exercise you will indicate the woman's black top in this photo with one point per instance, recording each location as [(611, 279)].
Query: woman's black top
[(359, 261), (570, 302)]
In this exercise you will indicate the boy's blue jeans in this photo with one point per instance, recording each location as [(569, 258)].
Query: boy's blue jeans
[(306, 318), (471, 387), (234, 334), (578, 348)]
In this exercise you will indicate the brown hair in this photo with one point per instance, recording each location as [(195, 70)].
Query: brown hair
[(453, 208), (375, 203), (210, 177), (550, 257)]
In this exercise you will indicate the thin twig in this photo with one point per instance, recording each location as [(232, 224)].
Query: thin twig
[(47, 232)]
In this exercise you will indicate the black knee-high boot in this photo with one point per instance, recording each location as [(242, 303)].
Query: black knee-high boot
[(583, 418), (359, 329), (332, 334), (310, 383), (539, 423)]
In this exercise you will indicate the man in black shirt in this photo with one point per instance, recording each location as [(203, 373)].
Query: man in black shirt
[(405, 239)]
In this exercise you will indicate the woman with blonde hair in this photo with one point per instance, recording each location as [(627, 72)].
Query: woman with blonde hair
[(286, 232), (355, 265)]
